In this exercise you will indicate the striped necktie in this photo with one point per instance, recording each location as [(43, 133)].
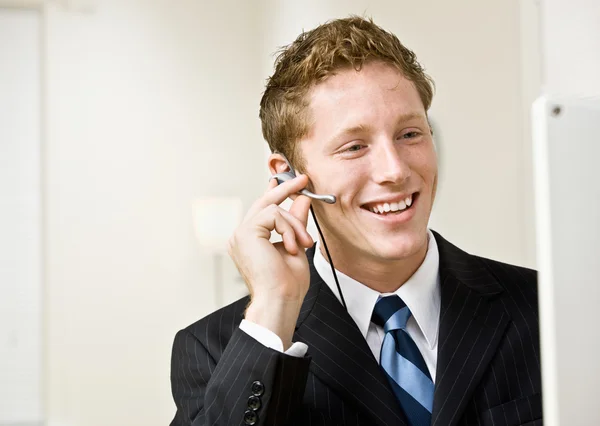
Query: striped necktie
[(402, 362)]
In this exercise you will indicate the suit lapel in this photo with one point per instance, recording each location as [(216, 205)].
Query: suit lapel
[(341, 357), (472, 324), (471, 327)]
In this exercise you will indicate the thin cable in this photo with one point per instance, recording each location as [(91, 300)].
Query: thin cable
[(329, 258)]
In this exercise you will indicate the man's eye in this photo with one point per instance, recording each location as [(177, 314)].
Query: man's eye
[(410, 135), (354, 148)]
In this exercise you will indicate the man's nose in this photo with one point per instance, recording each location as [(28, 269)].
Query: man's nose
[(389, 166)]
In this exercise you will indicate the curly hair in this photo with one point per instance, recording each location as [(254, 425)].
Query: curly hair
[(314, 56)]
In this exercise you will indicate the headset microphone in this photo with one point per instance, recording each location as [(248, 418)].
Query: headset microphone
[(285, 176)]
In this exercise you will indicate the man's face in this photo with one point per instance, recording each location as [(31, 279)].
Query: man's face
[(370, 144)]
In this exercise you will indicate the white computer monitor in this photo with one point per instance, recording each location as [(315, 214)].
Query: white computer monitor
[(566, 138)]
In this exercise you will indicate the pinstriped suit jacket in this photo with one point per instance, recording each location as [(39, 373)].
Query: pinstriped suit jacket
[(488, 370)]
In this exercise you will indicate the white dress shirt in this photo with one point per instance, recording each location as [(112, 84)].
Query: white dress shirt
[(421, 293)]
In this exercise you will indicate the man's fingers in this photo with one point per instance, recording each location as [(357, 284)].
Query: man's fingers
[(300, 208), (276, 194), (293, 232), (274, 218), (301, 234), (284, 228)]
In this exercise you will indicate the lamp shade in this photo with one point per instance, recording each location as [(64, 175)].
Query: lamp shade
[(215, 219)]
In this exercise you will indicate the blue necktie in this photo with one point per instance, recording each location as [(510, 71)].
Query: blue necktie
[(402, 362)]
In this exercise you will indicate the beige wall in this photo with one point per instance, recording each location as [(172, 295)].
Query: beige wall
[(571, 46), (147, 102)]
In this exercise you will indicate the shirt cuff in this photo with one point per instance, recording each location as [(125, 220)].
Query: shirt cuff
[(271, 340)]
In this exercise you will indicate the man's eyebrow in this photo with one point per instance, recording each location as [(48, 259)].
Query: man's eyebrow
[(411, 116), (348, 131)]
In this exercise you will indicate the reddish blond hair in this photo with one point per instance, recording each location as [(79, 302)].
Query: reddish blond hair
[(318, 54)]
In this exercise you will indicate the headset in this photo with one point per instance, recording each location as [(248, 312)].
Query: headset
[(289, 175), (329, 199)]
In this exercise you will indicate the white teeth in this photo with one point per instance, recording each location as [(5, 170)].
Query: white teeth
[(392, 207)]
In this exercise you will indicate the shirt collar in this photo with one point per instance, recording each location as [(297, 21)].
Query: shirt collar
[(421, 293)]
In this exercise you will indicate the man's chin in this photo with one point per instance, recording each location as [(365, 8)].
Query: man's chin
[(396, 249)]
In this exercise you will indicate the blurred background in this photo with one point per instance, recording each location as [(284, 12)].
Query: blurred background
[(130, 145)]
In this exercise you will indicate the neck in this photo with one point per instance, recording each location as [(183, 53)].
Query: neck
[(383, 276)]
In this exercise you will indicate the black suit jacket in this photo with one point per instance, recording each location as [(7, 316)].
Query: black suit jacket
[(488, 368)]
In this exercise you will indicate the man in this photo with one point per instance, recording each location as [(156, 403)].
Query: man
[(421, 333)]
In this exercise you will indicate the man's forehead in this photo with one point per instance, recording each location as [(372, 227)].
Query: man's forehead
[(363, 116), (360, 91), (353, 101), (376, 73)]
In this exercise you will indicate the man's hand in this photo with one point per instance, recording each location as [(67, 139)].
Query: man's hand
[(277, 274)]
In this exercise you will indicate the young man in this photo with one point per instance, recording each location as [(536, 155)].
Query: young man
[(422, 333)]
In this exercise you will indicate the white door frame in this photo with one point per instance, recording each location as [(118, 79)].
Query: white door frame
[(40, 7)]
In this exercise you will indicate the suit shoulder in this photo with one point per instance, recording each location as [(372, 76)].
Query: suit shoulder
[(519, 283), (220, 324), (525, 275)]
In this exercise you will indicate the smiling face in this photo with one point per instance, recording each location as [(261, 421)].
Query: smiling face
[(370, 144)]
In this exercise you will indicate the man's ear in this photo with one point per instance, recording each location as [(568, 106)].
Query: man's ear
[(277, 163)]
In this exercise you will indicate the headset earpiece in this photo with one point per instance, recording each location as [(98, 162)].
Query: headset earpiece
[(286, 176), (291, 174)]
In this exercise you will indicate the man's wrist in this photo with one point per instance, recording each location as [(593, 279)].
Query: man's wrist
[(278, 316)]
